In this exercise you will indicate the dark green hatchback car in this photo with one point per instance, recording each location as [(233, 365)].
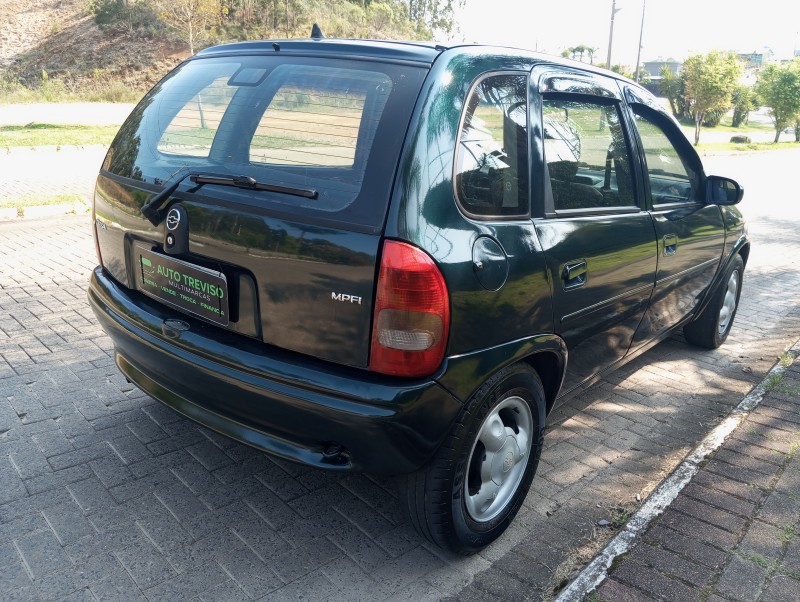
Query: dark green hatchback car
[(397, 258)]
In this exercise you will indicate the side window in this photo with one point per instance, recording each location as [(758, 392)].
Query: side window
[(586, 154), (672, 180), (492, 157)]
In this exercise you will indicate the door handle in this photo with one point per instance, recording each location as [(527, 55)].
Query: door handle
[(670, 244), (574, 274)]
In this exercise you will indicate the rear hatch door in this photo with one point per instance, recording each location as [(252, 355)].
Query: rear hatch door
[(284, 166)]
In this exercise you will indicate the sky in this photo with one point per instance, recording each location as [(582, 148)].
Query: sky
[(672, 28)]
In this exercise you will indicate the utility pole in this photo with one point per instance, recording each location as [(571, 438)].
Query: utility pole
[(614, 11), (639, 52)]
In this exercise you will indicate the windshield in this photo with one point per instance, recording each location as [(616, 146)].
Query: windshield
[(330, 125)]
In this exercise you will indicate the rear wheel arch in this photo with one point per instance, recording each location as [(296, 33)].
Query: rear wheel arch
[(745, 253), (550, 368), (711, 326), (475, 484)]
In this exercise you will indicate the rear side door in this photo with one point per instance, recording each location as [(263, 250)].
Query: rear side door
[(690, 234), (598, 238)]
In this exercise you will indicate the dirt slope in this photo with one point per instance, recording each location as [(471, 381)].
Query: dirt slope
[(61, 38)]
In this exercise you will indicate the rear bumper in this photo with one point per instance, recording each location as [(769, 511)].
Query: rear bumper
[(286, 404)]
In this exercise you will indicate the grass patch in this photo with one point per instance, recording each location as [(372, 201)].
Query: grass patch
[(725, 126), (751, 146), (21, 203), (760, 560), (102, 87), (34, 206), (773, 381), (45, 134), (747, 127), (788, 534), (618, 517)]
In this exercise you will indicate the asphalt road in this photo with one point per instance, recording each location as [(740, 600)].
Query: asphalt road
[(104, 494)]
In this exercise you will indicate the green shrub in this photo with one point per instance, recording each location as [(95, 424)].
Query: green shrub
[(712, 118), (131, 14)]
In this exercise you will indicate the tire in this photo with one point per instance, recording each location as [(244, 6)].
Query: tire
[(712, 326), (456, 501)]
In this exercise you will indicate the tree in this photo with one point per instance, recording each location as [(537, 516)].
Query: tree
[(778, 88), (434, 15), (744, 101), (623, 70), (576, 52), (671, 88), (709, 84), (190, 18)]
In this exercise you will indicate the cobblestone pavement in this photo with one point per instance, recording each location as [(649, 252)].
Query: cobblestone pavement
[(732, 534), (105, 494)]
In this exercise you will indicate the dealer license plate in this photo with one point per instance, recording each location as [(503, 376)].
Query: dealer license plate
[(184, 286)]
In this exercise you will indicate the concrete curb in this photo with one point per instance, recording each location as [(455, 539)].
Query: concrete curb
[(658, 501), (37, 211)]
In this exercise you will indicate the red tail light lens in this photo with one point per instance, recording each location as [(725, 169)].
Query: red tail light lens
[(412, 313)]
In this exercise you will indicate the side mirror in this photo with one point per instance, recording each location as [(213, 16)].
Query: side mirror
[(723, 191)]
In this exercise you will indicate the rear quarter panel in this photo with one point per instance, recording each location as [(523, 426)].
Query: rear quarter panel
[(424, 212)]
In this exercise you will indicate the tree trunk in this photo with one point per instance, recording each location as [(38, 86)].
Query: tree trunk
[(191, 38), (698, 120), (777, 135), (201, 111), (797, 131)]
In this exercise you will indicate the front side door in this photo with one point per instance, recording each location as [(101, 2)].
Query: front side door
[(599, 242), (690, 234)]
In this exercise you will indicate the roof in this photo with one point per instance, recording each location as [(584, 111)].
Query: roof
[(416, 52)]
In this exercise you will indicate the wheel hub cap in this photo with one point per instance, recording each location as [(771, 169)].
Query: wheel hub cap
[(498, 459), (728, 303)]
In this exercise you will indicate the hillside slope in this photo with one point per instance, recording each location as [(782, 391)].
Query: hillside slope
[(61, 38)]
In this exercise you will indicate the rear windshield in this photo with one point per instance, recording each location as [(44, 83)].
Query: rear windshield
[(334, 126)]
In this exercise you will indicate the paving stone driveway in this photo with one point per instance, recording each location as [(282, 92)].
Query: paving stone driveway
[(107, 495)]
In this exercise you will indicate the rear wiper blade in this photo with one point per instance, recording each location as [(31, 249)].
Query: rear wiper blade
[(154, 210), (253, 184)]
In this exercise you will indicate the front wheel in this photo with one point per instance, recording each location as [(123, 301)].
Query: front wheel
[(713, 325), (476, 483)]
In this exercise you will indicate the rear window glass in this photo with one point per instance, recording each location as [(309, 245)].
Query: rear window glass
[(317, 122), (192, 129), (286, 121)]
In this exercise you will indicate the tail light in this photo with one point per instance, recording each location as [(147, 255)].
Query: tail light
[(412, 313)]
